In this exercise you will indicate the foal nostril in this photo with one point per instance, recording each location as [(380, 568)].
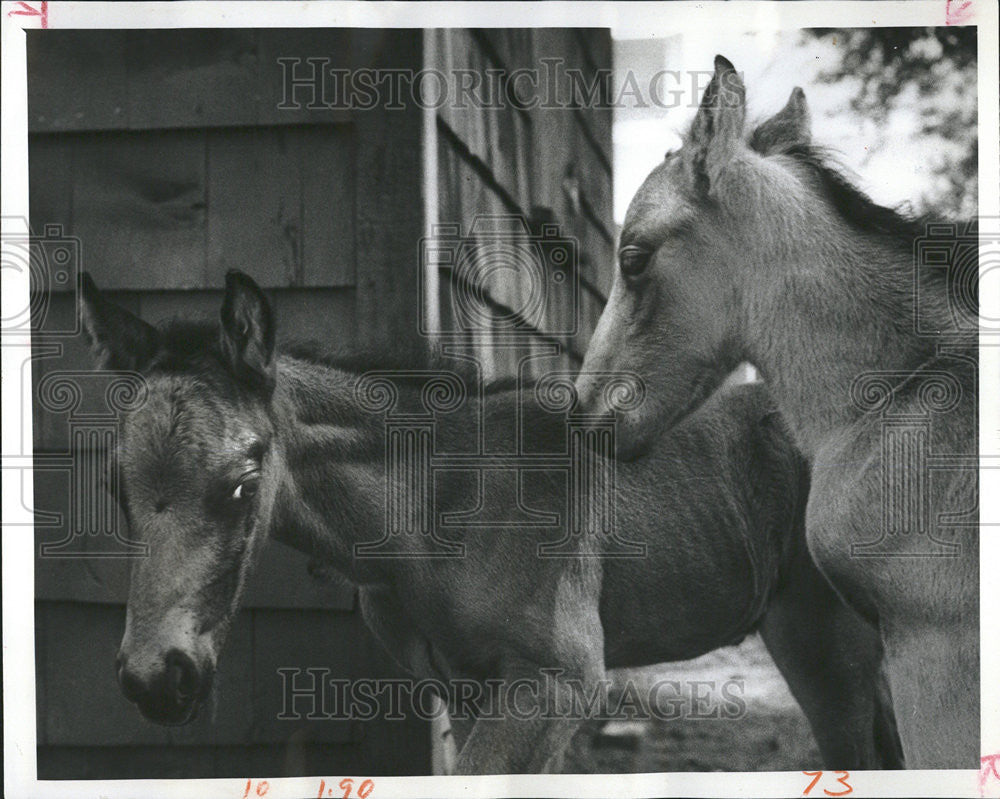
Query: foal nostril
[(183, 680), (131, 685)]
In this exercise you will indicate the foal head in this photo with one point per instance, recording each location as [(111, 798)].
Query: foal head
[(724, 205), (191, 463)]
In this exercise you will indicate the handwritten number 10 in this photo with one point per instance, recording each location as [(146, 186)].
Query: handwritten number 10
[(262, 788), (346, 785)]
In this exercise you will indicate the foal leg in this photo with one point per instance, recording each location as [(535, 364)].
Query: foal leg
[(830, 656), (459, 734), (524, 737), (539, 710), (934, 675), (458, 731)]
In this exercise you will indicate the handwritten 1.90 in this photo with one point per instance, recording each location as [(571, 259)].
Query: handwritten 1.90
[(346, 786)]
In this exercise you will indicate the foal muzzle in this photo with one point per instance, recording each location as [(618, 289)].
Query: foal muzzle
[(172, 693)]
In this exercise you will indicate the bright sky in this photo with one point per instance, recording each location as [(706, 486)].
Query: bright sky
[(772, 64)]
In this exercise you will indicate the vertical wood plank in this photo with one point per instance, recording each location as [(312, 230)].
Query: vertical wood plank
[(85, 80), (390, 209), (323, 315), (326, 156), (326, 316), (254, 207), (139, 208), (50, 184), (50, 431), (549, 158), (274, 108), (191, 78), (77, 80), (399, 747), (305, 640)]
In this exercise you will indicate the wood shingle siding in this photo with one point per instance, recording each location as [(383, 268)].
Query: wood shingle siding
[(543, 164), (166, 155), (173, 156)]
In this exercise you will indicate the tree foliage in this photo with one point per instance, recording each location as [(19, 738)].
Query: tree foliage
[(932, 71)]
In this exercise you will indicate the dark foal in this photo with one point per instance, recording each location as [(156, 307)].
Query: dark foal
[(238, 442)]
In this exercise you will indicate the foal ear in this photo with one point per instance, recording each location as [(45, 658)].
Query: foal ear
[(718, 126), (118, 339), (247, 333), (788, 127)]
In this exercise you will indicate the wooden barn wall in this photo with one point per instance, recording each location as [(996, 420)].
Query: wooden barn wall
[(542, 164), (164, 152)]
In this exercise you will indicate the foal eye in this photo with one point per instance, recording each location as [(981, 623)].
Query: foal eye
[(246, 489), (633, 260)]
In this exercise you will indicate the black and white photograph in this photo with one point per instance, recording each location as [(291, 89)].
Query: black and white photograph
[(539, 399)]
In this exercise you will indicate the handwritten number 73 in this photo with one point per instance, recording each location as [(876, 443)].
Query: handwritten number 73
[(841, 780)]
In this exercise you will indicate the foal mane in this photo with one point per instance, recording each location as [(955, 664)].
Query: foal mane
[(358, 361), (415, 355), (851, 203), (191, 346), (188, 346), (900, 229)]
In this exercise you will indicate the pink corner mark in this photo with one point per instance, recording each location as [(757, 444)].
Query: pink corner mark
[(988, 772), (24, 10), (957, 12)]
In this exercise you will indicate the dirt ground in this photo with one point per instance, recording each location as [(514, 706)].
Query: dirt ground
[(771, 734)]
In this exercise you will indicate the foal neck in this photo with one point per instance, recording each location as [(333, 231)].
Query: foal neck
[(833, 310), (330, 493), (331, 463)]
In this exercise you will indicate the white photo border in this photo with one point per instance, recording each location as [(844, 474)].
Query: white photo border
[(20, 778)]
